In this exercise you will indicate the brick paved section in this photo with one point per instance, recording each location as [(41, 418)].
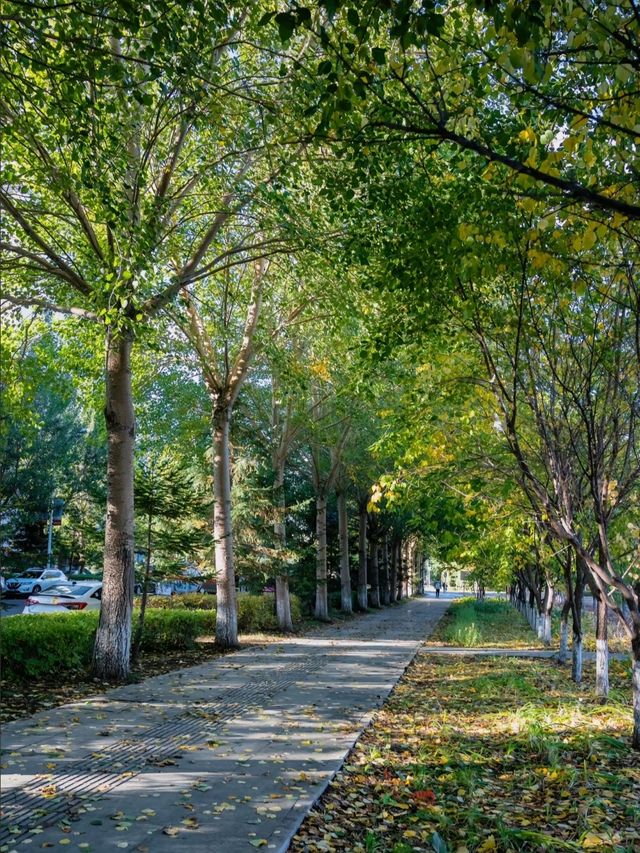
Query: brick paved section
[(225, 757)]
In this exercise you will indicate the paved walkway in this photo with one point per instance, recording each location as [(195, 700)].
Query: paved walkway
[(224, 757)]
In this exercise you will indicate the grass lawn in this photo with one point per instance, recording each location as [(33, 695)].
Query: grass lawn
[(487, 754), (484, 624), (496, 624)]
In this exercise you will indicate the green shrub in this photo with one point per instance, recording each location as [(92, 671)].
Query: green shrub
[(255, 612), (47, 645), (176, 629), (182, 601)]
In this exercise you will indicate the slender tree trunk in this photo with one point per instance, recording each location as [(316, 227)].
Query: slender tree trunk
[(226, 603), (137, 643), (393, 573), (113, 637), (635, 680), (374, 579), (322, 599), (283, 599), (362, 559), (602, 649), (384, 596), (546, 616), (563, 654), (346, 603)]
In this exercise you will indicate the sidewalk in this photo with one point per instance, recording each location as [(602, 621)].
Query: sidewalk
[(224, 757)]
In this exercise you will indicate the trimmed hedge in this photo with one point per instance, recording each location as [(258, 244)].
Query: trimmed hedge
[(49, 645), (255, 612), (46, 646)]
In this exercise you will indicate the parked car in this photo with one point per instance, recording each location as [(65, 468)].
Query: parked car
[(33, 580), (65, 597)]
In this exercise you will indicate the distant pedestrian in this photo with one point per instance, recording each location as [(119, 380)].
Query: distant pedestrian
[(437, 586), (444, 586)]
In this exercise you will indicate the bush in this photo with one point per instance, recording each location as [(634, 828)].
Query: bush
[(45, 646), (49, 645), (255, 612), (183, 601), (176, 629)]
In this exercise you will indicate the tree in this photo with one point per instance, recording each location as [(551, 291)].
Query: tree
[(169, 509), (122, 172)]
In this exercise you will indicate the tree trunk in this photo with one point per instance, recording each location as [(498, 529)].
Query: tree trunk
[(602, 649), (374, 580), (283, 604), (563, 654), (576, 658), (384, 596), (322, 599), (137, 643), (113, 637), (635, 680), (393, 572), (362, 559), (545, 634), (346, 603), (226, 604), (283, 599)]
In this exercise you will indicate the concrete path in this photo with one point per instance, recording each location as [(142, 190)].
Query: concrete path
[(225, 757)]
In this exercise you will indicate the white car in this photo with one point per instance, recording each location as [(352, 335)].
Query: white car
[(34, 580), (66, 597)]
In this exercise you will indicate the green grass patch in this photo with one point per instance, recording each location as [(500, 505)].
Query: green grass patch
[(481, 624)]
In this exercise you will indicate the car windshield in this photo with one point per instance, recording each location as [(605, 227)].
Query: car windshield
[(33, 573), (67, 589)]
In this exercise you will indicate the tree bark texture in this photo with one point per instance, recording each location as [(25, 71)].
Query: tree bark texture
[(635, 680), (393, 573), (226, 604), (346, 603), (602, 649), (283, 599), (374, 579), (563, 654), (112, 647), (322, 598), (384, 573), (362, 559)]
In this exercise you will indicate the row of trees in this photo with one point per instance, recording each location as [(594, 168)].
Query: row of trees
[(401, 245)]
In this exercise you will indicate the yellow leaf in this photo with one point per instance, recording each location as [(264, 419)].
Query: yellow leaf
[(488, 844), (591, 841), (409, 833), (527, 135)]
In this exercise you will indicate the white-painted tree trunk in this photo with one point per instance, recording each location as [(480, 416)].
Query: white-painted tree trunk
[(226, 603), (112, 646), (576, 659), (283, 599), (635, 681), (322, 598), (602, 649), (346, 603), (563, 654), (602, 668)]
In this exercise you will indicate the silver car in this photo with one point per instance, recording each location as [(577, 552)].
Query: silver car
[(66, 597), (33, 580)]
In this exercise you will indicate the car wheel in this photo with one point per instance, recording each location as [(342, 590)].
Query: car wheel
[(36, 588)]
